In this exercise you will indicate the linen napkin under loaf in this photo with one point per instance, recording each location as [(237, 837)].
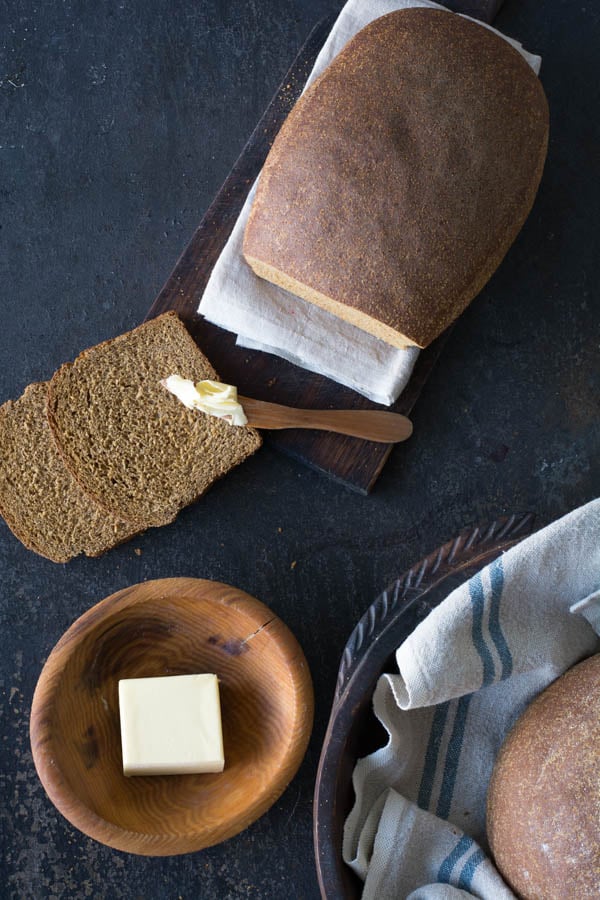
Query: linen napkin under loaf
[(417, 829), (259, 312)]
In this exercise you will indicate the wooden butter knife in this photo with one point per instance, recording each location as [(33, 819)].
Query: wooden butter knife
[(368, 424)]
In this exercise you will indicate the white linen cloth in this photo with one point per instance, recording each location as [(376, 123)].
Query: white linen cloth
[(417, 828), (267, 318)]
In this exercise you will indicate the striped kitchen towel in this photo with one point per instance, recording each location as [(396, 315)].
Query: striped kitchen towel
[(466, 673)]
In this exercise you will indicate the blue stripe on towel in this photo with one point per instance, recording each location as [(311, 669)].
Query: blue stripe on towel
[(452, 757), (445, 870), (431, 754), (497, 583), (468, 870), (478, 606)]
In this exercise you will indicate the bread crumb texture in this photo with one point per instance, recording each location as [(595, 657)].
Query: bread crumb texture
[(40, 500), (129, 443)]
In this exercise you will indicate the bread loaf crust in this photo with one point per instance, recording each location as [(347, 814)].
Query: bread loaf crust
[(402, 176), (543, 816)]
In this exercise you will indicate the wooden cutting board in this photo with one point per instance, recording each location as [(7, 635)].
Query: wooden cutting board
[(353, 462)]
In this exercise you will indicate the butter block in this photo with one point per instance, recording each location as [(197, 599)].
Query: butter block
[(171, 725)]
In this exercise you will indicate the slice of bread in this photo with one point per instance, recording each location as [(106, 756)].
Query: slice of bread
[(130, 444), (41, 502)]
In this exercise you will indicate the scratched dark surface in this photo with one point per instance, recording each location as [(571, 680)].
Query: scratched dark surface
[(119, 123)]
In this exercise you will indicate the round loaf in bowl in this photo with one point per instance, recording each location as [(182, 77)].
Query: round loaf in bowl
[(543, 813)]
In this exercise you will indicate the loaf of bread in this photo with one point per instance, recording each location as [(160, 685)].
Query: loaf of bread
[(130, 444), (402, 176), (40, 501), (543, 816)]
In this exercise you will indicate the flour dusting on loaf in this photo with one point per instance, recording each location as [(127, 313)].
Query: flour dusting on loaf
[(543, 818)]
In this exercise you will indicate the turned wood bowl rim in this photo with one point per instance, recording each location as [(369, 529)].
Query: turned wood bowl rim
[(65, 798)]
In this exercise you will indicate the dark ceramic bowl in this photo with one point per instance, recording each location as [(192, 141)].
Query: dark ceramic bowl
[(353, 730)]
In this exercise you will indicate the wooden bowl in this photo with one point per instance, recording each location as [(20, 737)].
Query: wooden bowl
[(172, 626), (353, 730)]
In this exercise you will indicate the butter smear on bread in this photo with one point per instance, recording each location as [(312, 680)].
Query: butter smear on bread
[(211, 397)]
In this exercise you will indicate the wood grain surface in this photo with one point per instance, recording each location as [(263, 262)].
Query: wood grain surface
[(356, 463), (172, 626), (369, 424)]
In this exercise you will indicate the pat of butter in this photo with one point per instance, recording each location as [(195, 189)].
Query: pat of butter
[(211, 397), (171, 725)]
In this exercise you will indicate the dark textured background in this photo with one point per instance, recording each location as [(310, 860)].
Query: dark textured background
[(119, 122)]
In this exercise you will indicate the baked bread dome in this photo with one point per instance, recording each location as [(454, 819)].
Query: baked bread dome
[(543, 816), (402, 175)]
